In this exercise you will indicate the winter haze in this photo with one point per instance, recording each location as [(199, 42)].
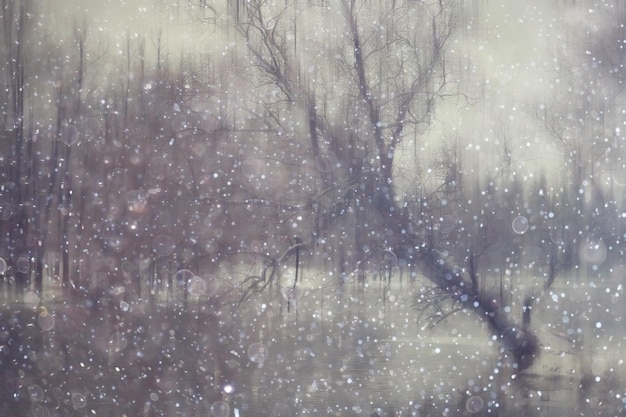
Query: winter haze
[(289, 208)]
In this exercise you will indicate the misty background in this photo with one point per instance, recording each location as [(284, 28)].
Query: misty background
[(312, 207)]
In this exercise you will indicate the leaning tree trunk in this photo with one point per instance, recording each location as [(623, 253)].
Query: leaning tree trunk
[(448, 275)]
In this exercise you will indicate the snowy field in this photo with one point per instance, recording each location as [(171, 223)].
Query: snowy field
[(345, 350)]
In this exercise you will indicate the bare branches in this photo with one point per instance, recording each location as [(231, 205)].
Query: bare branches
[(399, 68), (391, 58), (266, 42), (255, 284), (434, 306)]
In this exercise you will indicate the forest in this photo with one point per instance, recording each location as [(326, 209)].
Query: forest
[(360, 141)]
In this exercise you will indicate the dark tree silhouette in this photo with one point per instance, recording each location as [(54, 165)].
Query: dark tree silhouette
[(386, 69)]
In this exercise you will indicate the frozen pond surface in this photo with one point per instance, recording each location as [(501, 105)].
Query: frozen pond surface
[(333, 351)]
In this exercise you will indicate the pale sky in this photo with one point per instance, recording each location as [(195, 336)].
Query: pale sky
[(509, 50)]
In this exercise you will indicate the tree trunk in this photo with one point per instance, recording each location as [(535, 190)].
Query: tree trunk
[(448, 275)]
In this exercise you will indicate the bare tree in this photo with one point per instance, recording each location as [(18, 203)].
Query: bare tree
[(358, 89)]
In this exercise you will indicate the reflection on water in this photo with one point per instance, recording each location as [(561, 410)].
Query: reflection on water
[(334, 352)]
